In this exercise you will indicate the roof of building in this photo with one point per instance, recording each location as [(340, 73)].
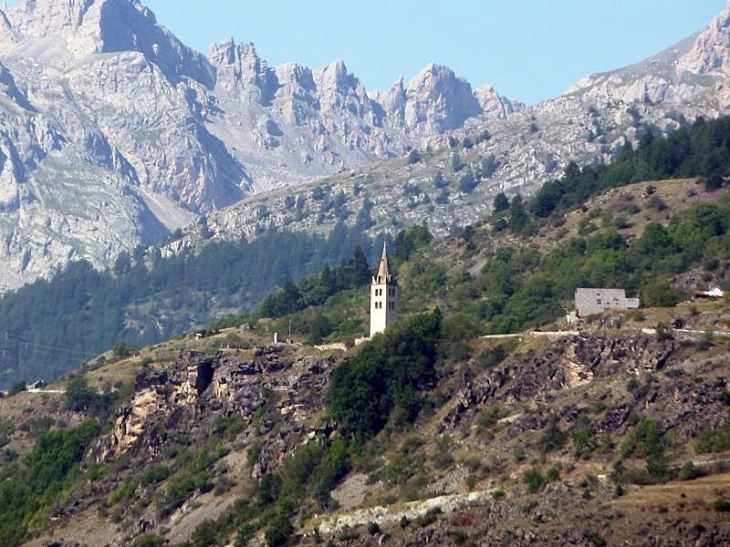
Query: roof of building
[(384, 275)]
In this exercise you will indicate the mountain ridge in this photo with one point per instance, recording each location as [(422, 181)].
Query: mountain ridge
[(101, 91), (590, 123)]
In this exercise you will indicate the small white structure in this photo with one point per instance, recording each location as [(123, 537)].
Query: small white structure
[(593, 301), (711, 292), (383, 297)]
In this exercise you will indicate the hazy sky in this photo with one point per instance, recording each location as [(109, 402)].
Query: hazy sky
[(528, 49)]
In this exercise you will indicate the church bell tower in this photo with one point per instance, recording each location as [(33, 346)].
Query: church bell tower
[(383, 297)]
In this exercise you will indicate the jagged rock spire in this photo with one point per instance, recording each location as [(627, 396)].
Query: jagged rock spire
[(384, 275)]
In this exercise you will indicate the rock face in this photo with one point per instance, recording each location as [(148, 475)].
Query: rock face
[(516, 152), (113, 132), (201, 389)]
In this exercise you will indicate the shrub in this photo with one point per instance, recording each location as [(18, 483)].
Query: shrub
[(689, 471), (706, 342), (721, 505), (534, 480), (714, 440), (553, 438), (18, 388), (552, 475), (279, 530), (645, 440), (388, 373), (584, 440), (150, 541), (660, 294), (594, 538)]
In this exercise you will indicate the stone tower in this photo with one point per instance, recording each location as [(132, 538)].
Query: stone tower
[(383, 297)]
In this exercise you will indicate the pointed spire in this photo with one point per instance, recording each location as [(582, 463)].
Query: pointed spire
[(384, 275)]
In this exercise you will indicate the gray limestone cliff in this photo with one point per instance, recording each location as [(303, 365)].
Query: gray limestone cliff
[(517, 151), (114, 133)]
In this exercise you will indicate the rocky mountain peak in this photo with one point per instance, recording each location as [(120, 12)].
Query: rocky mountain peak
[(241, 71), (438, 100), (58, 28), (97, 91), (711, 50), (335, 79), (494, 105)]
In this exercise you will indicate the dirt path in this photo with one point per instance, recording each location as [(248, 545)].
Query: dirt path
[(392, 514)]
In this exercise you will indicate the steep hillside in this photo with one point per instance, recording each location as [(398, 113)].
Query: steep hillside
[(519, 442), (431, 433), (114, 133), (593, 219)]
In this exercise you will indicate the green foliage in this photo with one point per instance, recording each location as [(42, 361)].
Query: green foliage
[(660, 294), (500, 203), (458, 327), (721, 505), (388, 373), (519, 222), (706, 342), (553, 438), (594, 538), (534, 480), (315, 289), (414, 156), (279, 531), (689, 471), (701, 151), (409, 241), (155, 474), (53, 325), (150, 541), (19, 387), (583, 436), (47, 470), (645, 440), (714, 440), (207, 534), (80, 397)]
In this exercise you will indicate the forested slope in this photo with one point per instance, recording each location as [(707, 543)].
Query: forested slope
[(49, 327)]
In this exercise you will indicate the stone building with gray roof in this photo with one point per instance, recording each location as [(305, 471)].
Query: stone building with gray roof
[(593, 301)]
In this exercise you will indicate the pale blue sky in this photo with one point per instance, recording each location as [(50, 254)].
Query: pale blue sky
[(528, 49)]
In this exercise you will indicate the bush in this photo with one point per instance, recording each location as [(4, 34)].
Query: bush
[(150, 541), (500, 203), (659, 294), (721, 505), (714, 440), (706, 342), (279, 531), (553, 438), (534, 480), (414, 156), (584, 439), (389, 373), (689, 471), (492, 357), (18, 388)]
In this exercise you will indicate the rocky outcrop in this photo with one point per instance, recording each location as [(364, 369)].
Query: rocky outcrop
[(201, 389), (114, 133), (516, 152)]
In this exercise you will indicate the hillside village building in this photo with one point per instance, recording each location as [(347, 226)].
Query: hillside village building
[(593, 301), (383, 297)]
